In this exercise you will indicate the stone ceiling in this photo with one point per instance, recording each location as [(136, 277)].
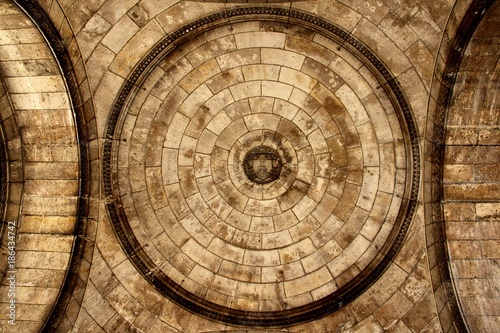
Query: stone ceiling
[(207, 166)]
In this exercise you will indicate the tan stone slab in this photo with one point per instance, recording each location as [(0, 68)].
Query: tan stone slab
[(169, 166), (216, 224), (382, 45), (352, 77), (38, 51), (240, 272), (261, 224), (199, 75), (171, 77), (240, 221), (44, 243), (175, 131), (276, 89), (313, 50), (306, 102), (219, 165), (195, 100), (136, 47), (260, 39), (225, 79), (369, 188), (200, 209), (40, 101), (42, 260), (23, 85), (121, 32), (35, 295), (50, 205), (219, 123), (261, 257), (260, 72), (282, 58), (226, 250), (296, 251), (246, 90), (321, 256), (275, 240), (297, 79), (259, 121), (231, 134), (219, 101), (307, 283), (262, 207), (304, 228), (211, 49), (202, 257), (42, 187), (176, 200), (398, 30), (21, 35), (239, 58)]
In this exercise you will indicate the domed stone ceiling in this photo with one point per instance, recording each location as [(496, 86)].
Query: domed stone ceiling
[(259, 168)]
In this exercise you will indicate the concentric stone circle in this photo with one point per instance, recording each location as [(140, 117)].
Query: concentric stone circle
[(218, 239)]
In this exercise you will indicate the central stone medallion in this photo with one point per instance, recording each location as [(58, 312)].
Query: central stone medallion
[(262, 164)]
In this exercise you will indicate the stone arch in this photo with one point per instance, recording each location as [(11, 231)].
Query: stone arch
[(54, 117), (449, 244)]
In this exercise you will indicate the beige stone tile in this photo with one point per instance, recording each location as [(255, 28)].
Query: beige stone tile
[(171, 77), (276, 240), (231, 134), (44, 243), (42, 260), (219, 101), (304, 101), (206, 143), (202, 257), (297, 79), (195, 100), (260, 39), (225, 79), (176, 200), (226, 250), (36, 51), (40, 101), (175, 131), (120, 34), (321, 256), (202, 212), (239, 57), (259, 121), (307, 283), (242, 222), (261, 258), (276, 89), (219, 123), (260, 72), (262, 207), (211, 49), (35, 295), (49, 205), (169, 166), (136, 47), (382, 45), (23, 85), (282, 58), (245, 90), (199, 75)]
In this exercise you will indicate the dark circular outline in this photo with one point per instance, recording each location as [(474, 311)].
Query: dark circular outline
[(250, 172), (313, 310)]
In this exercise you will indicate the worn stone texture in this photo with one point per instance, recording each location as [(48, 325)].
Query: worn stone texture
[(193, 208)]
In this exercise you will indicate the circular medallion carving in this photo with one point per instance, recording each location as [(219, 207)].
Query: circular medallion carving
[(262, 164), (253, 180)]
